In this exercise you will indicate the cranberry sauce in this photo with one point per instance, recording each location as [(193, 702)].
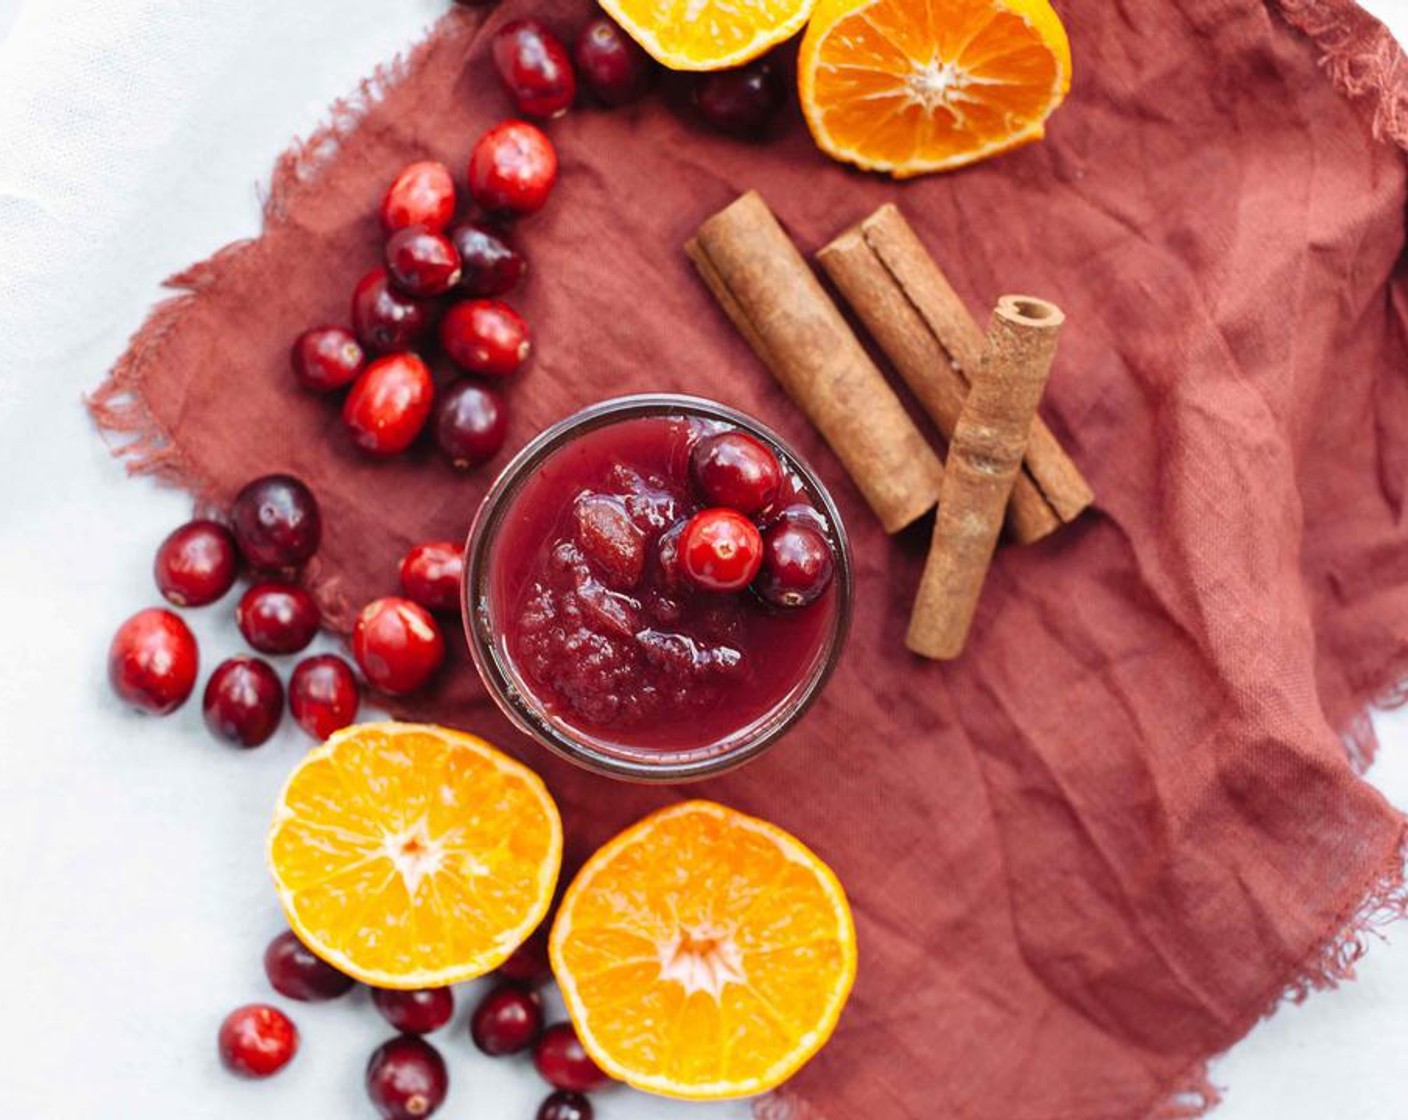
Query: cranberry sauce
[(604, 627)]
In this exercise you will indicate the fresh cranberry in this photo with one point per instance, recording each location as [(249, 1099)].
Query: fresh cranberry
[(430, 575), (486, 336), (153, 660), (565, 1105), (797, 565), (471, 424), (733, 469), (563, 1063), (507, 1021), (415, 1012), (720, 550), (533, 64), (197, 563), (277, 522), (741, 101), (278, 617), (397, 645), (528, 964), (407, 1079), (512, 169), (323, 695), (389, 405), (490, 264), (326, 359), (244, 701), (257, 1040), (384, 318), (421, 263), (422, 195), (613, 65), (296, 972)]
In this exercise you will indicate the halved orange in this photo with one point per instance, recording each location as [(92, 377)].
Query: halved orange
[(708, 34), (912, 86), (704, 954), (411, 856)]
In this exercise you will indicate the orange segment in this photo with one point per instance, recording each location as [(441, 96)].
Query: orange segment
[(412, 856), (708, 34), (704, 954), (912, 86)]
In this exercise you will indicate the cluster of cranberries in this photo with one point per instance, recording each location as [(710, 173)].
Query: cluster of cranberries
[(407, 1077)]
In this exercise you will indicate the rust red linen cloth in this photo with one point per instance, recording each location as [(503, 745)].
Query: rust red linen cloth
[(1090, 854)]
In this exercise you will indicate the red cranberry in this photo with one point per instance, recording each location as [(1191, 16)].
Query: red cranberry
[(197, 563), (397, 645), (797, 565), (153, 660), (389, 405), (512, 169), (384, 318), (297, 973), (323, 695), (565, 1105), (613, 65), (244, 701), (507, 1021), (741, 101), (720, 550), (486, 336), (563, 1063), (430, 575), (733, 469), (471, 424), (257, 1040), (534, 66), (415, 1012), (326, 359), (422, 195), (490, 264), (407, 1079), (277, 522), (277, 617), (528, 964), (421, 263)]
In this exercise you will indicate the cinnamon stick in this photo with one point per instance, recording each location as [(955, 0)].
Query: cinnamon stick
[(984, 458), (906, 302), (779, 306)]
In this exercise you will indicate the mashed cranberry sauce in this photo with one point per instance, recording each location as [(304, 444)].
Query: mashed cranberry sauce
[(604, 628)]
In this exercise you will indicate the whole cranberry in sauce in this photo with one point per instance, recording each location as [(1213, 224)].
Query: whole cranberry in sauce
[(418, 1011), (430, 575), (389, 404), (386, 319), (563, 1063), (296, 972), (323, 695), (512, 169), (244, 701), (276, 521), (720, 550), (423, 194), (277, 617), (508, 1020), (257, 1040), (153, 661), (397, 645), (611, 64), (735, 470), (421, 263), (406, 1079), (471, 424), (797, 565), (486, 336), (197, 563), (534, 65), (565, 1105), (326, 359), (742, 101), (490, 263)]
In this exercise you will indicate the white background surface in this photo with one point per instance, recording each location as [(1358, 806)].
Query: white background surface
[(133, 903)]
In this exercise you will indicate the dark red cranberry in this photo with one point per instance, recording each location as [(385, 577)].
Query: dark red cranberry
[(389, 405), (244, 701), (471, 424), (415, 1012), (528, 964), (278, 617), (421, 263), (797, 565), (535, 67), (326, 359), (565, 1105), (430, 575), (277, 522), (397, 645), (296, 972), (257, 1040), (323, 695), (720, 550), (490, 264), (197, 563), (741, 101), (563, 1063), (422, 195), (153, 661), (613, 65), (512, 169), (735, 470), (384, 318), (507, 1021), (407, 1079), (486, 336)]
